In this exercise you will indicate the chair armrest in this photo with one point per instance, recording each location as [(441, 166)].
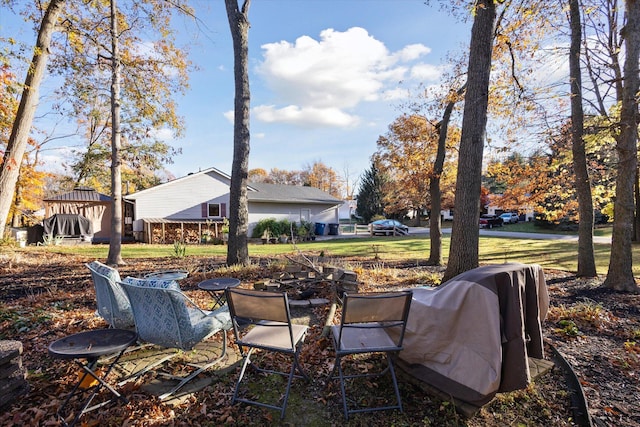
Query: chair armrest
[(223, 315)]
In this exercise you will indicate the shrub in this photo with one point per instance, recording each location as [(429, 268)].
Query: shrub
[(267, 224)]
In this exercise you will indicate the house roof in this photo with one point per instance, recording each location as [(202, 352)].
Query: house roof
[(214, 171), (80, 194), (260, 192), (265, 193)]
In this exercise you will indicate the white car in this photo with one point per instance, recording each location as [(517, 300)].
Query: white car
[(510, 217)]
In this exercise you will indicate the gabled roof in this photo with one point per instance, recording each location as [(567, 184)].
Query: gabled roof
[(80, 194), (264, 193), (259, 192), (179, 181)]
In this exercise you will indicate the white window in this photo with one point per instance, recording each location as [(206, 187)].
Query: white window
[(213, 210)]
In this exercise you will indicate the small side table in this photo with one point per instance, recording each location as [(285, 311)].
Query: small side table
[(216, 287), (90, 346), (167, 275)]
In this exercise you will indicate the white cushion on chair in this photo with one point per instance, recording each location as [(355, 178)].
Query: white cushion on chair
[(275, 336), (354, 339)]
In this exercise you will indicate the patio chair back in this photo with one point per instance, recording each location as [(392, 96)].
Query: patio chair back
[(261, 320), (370, 323), (113, 304), (167, 317)]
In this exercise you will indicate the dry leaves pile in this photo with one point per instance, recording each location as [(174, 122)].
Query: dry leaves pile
[(46, 296)]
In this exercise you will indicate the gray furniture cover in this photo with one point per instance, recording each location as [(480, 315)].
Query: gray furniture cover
[(67, 225), (471, 336)]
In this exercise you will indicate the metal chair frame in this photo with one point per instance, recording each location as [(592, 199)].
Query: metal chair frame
[(262, 320), (364, 325), (167, 317)]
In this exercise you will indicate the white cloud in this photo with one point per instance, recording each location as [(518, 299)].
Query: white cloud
[(412, 52), (321, 82), (426, 72), (163, 134), (308, 116)]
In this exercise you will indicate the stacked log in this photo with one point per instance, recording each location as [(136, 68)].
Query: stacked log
[(13, 376)]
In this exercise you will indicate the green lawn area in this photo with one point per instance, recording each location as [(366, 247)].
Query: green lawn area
[(530, 227), (552, 254)]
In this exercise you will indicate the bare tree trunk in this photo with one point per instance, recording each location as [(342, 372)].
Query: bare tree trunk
[(463, 253), (115, 237), (435, 222), (636, 219), (586, 257), (17, 144), (237, 251), (620, 274)]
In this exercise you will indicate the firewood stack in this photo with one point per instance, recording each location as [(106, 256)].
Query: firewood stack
[(13, 377)]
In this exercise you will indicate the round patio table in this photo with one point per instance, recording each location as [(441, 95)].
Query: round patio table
[(85, 348), (168, 275), (216, 288)]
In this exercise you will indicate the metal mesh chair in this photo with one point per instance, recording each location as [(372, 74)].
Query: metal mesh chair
[(166, 317), (370, 323), (261, 320), (113, 303)]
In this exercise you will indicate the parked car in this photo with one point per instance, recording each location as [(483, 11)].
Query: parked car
[(490, 221), (388, 227), (510, 217)]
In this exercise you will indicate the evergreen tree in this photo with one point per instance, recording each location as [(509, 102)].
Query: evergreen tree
[(370, 193)]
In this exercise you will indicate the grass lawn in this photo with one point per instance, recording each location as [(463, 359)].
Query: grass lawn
[(530, 227), (551, 254)]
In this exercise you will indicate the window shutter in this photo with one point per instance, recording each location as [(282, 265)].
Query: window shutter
[(205, 209), (223, 210)]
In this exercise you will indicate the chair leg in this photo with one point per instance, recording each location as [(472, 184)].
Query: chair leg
[(198, 371), (395, 381), (295, 365), (245, 362), (342, 387), (342, 377)]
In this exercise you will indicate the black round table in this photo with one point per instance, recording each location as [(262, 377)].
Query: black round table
[(216, 288), (85, 348)]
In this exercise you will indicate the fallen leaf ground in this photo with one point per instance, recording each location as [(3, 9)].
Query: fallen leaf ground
[(45, 296)]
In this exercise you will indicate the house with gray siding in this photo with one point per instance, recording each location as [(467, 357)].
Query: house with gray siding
[(199, 202)]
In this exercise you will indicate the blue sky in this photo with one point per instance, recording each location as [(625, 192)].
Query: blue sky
[(324, 78)]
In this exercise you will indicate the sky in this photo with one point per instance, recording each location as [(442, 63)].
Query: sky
[(327, 77)]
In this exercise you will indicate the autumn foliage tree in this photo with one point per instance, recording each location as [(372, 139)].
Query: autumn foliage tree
[(316, 174), (154, 71), (21, 125), (407, 154)]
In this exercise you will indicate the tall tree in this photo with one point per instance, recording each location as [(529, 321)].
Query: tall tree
[(16, 146), (154, 71), (115, 236), (370, 193), (586, 257), (435, 190), (464, 252), (237, 251), (620, 273)]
